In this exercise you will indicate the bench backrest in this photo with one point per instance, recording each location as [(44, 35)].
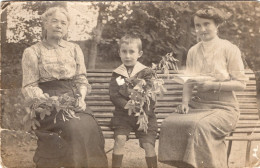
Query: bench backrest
[(103, 109)]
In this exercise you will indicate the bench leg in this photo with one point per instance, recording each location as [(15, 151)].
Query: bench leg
[(229, 150), (248, 148), (109, 150)]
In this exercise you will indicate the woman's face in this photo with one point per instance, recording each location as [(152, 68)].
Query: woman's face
[(57, 25), (206, 29)]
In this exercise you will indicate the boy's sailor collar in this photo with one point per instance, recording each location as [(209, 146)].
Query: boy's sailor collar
[(121, 70)]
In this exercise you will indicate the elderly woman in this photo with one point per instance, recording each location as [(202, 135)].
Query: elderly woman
[(54, 67), (195, 136)]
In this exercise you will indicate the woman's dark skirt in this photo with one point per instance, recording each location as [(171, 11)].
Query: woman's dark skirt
[(73, 143)]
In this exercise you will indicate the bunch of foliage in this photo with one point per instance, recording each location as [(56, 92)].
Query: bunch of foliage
[(141, 95), (45, 105), (168, 62), (143, 91)]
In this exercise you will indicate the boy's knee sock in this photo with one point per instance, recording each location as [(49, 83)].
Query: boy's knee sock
[(117, 161), (151, 162)]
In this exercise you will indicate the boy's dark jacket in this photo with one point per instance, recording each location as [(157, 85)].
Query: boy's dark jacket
[(119, 95)]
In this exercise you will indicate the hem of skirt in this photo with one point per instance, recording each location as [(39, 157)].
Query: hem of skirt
[(176, 162)]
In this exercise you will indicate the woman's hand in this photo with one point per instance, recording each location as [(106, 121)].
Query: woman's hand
[(80, 104), (207, 85), (182, 108)]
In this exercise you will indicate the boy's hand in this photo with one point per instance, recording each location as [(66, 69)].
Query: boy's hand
[(130, 105), (143, 122)]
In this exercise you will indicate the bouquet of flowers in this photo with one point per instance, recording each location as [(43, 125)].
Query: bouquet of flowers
[(45, 105), (141, 94)]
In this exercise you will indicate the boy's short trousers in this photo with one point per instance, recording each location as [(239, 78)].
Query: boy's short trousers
[(123, 125)]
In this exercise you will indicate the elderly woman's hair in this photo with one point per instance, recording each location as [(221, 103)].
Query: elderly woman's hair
[(49, 12), (210, 13), (52, 10)]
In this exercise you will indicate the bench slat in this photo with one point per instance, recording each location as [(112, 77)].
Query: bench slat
[(109, 74), (161, 116), (166, 81), (252, 131), (131, 136), (253, 123), (241, 100), (106, 126), (246, 100), (106, 86), (161, 109), (176, 92), (250, 71), (253, 137)]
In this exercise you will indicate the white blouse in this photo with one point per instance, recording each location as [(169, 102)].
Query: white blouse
[(218, 58)]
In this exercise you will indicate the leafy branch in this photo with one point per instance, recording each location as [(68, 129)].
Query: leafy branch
[(44, 106), (142, 94), (168, 62)]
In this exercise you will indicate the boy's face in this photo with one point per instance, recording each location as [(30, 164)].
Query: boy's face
[(129, 53)]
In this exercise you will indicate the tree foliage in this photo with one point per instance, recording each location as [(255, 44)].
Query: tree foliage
[(156, 23), (164, 27)]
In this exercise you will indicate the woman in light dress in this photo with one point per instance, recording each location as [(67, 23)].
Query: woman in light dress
[(195, 136)]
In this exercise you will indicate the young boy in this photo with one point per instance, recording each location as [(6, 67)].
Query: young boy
[(123, 123)]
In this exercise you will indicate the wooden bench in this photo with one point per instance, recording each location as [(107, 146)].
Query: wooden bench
[(102, 107)]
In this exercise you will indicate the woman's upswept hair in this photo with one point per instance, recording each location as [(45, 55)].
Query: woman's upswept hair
[(210, 13), (49, 12)]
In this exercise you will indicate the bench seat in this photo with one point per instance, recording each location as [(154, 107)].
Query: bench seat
[(103, 108)]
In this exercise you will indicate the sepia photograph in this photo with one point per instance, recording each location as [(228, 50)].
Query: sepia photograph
[(130, 84)]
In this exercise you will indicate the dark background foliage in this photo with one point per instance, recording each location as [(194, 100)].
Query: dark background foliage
[(163, 27)]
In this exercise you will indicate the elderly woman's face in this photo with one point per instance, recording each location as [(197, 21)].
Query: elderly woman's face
[(57, 25), (206, 29)]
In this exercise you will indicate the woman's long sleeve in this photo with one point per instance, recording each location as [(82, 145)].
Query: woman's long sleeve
[(31, 75), (80, 77), (187, 88), (235, 64)]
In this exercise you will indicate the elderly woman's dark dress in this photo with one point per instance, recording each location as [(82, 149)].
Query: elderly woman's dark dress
[(56, 71), (198, 138)]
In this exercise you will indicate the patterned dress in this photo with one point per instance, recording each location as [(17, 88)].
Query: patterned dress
[(56, 71), (197, 139)]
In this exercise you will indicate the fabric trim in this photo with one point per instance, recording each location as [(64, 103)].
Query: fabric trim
[(137, 68), (121, 70), (62, 43)]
